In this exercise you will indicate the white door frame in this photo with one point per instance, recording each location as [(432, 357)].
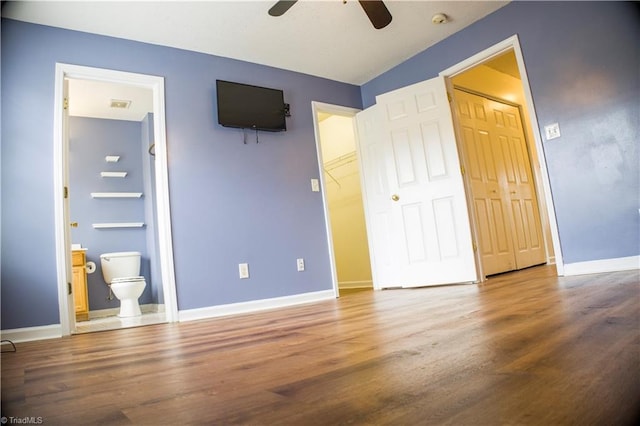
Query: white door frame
[(60, 154), (543, 186), (345, 112)]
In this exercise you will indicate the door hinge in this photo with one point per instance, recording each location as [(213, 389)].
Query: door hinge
[(475, 247), (462, 170), (65, 192), (65, 103), (69, 288), (449, 97)]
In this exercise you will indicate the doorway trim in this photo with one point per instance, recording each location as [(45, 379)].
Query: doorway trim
[(60, 157), (320, 107), (543, 186)]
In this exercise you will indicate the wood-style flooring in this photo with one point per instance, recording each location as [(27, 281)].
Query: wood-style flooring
[(522, 348)]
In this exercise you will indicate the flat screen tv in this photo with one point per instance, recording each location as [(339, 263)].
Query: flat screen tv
[(251, 107)]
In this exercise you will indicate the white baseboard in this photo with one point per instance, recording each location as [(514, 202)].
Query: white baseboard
[(28, 334), (346, 285), (254, 306), (601, 266)]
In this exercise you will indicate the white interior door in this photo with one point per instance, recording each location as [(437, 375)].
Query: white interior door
[(415, 198), (375, 196), (67, 218)]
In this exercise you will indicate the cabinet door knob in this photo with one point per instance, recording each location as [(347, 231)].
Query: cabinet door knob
[(395, 197)]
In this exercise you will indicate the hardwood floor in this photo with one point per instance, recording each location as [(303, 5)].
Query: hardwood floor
[(522, 348)]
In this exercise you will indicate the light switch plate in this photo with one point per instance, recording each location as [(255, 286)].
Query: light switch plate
[(243, 270), (315, 185), (552, 131)]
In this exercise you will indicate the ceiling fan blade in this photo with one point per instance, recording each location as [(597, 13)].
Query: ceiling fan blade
[(377, 12), (281, 7)]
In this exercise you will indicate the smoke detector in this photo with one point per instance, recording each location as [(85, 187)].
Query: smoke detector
[(439, 18)]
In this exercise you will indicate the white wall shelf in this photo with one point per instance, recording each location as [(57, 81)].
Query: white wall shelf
[(113, 174), (116, 194), (118, 225)]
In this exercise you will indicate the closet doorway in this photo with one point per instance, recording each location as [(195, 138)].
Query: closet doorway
[(495, 142), (342, 195)]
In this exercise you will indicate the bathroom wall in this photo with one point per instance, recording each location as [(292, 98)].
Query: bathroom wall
[(90, 140)]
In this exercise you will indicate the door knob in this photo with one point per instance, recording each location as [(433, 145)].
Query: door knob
[(395, 197), (74, 224)]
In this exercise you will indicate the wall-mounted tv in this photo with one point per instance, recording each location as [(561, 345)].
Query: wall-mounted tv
[(251, 107)]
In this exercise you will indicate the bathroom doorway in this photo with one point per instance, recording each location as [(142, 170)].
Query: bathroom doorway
[(111, 141)]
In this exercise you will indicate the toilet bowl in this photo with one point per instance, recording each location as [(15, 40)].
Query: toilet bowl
[(128, 290), (120, 271)]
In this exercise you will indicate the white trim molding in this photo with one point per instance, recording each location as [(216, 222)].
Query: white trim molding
[(254, 306), (602, 266), (29, 334)]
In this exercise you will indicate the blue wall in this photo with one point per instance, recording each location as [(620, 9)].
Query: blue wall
[(230, 202), (583, 65), (233, 203), (90, 141)]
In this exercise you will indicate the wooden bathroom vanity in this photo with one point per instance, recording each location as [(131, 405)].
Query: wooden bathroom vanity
[(80, 295)]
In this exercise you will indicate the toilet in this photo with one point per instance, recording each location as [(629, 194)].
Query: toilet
[(121, 272)]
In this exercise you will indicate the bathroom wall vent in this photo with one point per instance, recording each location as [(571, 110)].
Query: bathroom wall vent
[(120, 103)]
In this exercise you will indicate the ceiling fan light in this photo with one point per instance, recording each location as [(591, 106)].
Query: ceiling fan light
[(439, 18)]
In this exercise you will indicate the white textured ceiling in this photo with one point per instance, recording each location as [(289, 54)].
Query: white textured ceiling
[(325, 38), (94, 99)]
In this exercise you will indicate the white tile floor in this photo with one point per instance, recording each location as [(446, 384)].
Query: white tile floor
[(114, 323)]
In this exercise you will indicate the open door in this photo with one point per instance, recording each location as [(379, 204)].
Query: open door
[(415, 200), (70, 306)]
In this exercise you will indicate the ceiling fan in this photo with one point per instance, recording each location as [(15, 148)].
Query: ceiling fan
[(375, 9)]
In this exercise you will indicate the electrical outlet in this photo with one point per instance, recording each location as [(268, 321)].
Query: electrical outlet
[(243, 269), (300, 263)]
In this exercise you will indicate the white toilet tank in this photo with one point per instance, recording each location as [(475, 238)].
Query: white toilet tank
[(119, 265)]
